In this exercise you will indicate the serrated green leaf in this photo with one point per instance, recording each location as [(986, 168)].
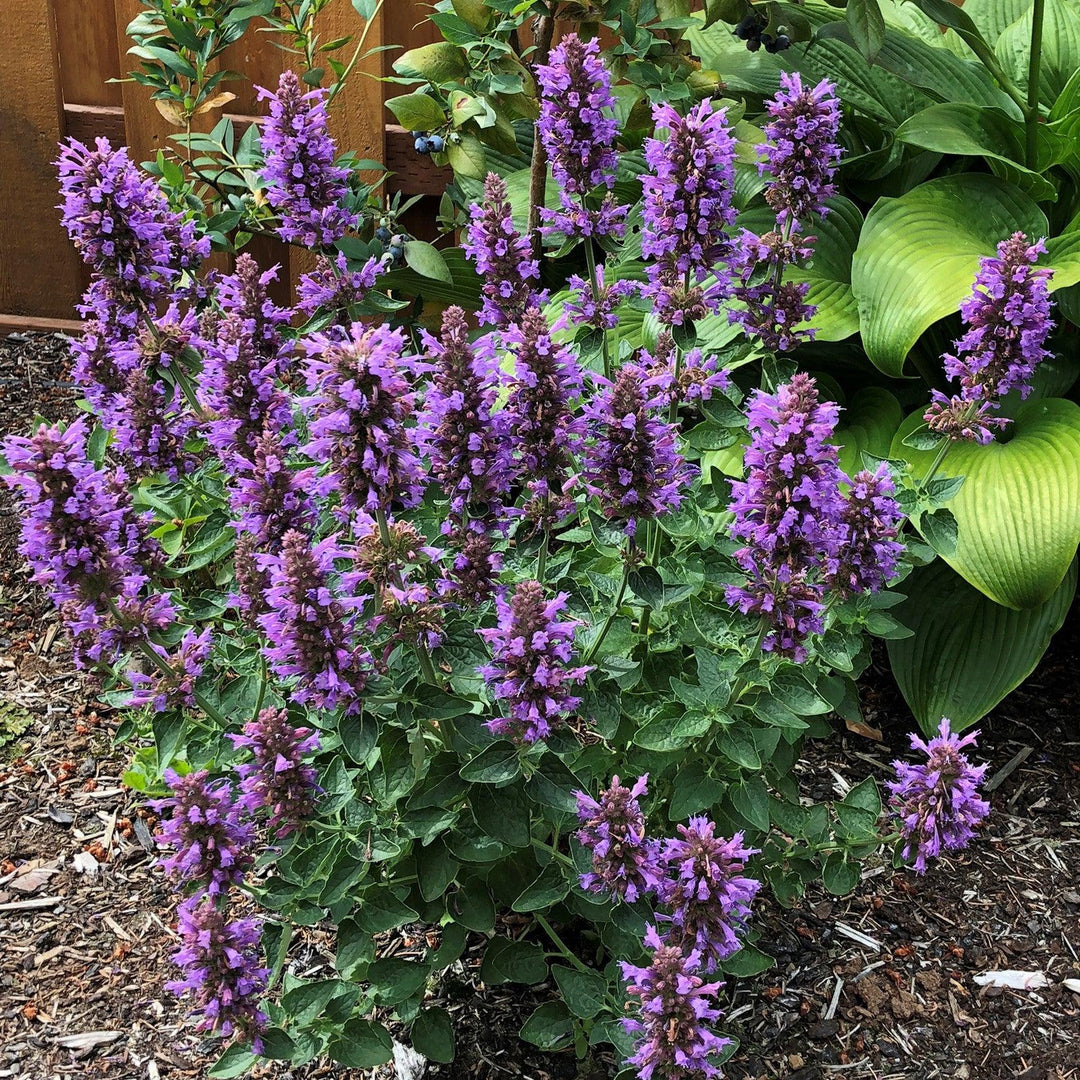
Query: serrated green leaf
[(432, 1034)]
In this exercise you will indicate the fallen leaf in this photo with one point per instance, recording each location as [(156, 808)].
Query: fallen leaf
[(171, 111), (860, 728), (1013, 980), (216, 102)]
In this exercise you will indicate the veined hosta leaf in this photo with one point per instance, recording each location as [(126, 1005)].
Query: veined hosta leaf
[(1018, 511), (1060, 48), (918, 255), (967, 652), (975, 131), (867, 423), (993, 16), (829, 272)]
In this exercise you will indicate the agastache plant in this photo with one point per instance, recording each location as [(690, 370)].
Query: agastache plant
[(1007, 316), (936, 803), (799, 159), (303, 185)]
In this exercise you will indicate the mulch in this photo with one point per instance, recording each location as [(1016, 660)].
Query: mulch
[(879, 984)]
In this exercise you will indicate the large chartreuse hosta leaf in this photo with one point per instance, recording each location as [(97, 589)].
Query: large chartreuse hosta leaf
[(966, 652), (918, 255), (1018, 511)]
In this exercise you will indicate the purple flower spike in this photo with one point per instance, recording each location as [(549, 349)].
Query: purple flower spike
[(936, 803), (578, 132), (469, 448), (308, 628), (361, 400), (633, 465), (599, 310), (278, 780), (538, 415), (502, 255), (687, 210), (707, 896), (866, 548), (332, 286), (1008, 320), (122, 224), (963, 421), (802, 152), (786, 510), (625, 861), (222, 972), (161, 690), (531, 669), (672, 1035), (208, 831), (304, 186)]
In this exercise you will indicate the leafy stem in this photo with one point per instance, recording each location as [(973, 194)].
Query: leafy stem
[(1031, 117), (594, 284), (628, 559)]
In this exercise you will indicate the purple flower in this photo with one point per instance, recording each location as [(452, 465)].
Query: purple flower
[(360, 403), (786, 510), (963, 421), (1008, 320), (865, 547), (531, 668), (207, 830), (270, 497), (625, 861), (544, 430), (245, 294), (578, 131), (503, 257), (773, 310), (304, 186), (632, 464), (802, 149), (475, 567), (308, 628), (671, 1033), (163, 690), (332, 286), (687, 210), (121, 223), (278, 780), (707, 896), (84, 541), (936, 803), (598, 310), (469, 448), (221, 970)]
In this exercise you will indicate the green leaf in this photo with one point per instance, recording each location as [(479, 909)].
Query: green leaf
[(433, 1034), (967, 653), (467, 156), (437, 63), (427, 261), (435, 869), (549, 1027), (747, 962), (918, 255), (750, 798), (417, 112), (168, 728), (305, 1002), (867, 27), (974, 131), (549, 888), (1018, 512), (865, 796), (363, 1045), (234, 1062), (473, 907), (382, 910), (583, 991), (554, 785), (507, 961), (359, 736), (393, 980), (475, 12), (502, 812), (1060, 54), (838, 875), (495, 764), (940, 531), (354, 947), (365, 8)]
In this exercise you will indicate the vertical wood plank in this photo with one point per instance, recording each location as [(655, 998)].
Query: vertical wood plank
[(89, 57), (39, 269), (147, 130)]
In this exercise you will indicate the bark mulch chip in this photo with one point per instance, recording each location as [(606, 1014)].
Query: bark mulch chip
[(901, 980)]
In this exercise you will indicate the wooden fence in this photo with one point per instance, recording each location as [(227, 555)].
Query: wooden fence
[(55, 69)]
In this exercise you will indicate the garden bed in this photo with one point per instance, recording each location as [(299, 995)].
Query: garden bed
[(880, 983)]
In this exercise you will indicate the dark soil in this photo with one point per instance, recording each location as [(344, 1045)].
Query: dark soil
[(85, 918)]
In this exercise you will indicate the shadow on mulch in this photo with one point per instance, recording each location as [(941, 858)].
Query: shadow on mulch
[(879, 984)]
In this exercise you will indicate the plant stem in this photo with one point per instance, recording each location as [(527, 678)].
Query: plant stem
[(543, 34), (1031, 118), (594, 284), (356, 54), (560, 944)]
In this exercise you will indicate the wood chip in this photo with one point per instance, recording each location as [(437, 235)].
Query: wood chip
[(1013, 980), (87, 1040)]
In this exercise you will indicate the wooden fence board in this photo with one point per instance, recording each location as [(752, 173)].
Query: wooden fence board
[(89, 56), (39, 269)]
